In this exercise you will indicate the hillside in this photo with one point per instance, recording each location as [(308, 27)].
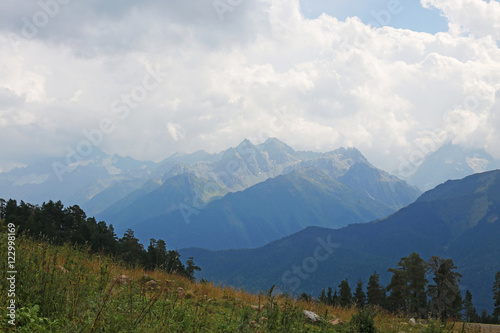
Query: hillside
[(265, 212), (272, 191), (458, 220), (65, 289), (172, 197)]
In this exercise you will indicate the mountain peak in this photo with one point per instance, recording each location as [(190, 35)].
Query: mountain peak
[(451, 161), (350, 153), (275, 144), (245, 143)]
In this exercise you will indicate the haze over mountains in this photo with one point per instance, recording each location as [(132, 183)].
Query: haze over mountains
[(245, 196), (255, 194), (451, 161), (459, 219), (252, 195)]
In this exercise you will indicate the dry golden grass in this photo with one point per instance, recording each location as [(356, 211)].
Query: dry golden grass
[(63, 288)]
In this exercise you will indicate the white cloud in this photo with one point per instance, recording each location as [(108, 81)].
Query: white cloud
[(263, 71), (478, 17), (176, 131)]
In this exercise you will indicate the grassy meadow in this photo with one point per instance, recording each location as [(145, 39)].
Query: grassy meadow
[(67, 289)]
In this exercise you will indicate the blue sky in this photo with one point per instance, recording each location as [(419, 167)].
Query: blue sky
[(413, 16)]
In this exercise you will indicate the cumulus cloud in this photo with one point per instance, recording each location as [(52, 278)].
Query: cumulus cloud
[(263, 70), (478, 17)]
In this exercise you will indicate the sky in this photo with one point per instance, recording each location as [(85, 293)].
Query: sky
[(394, 78)]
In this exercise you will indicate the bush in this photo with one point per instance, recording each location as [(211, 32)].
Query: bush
[(362, 322)]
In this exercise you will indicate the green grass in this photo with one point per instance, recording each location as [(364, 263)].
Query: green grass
[(67, 289)]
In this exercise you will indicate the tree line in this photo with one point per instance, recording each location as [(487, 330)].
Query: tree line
[(58, 224), (410, 292)]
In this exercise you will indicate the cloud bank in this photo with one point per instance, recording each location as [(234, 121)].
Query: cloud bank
[(229, 70)]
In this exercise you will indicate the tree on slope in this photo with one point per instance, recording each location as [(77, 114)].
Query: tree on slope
[(496, 298), (446, 300), (408, 285), (470, 312), (375, 293), (359, 295), (345, 294)]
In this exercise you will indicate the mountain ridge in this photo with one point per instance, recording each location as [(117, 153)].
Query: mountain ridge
[(419, 227)]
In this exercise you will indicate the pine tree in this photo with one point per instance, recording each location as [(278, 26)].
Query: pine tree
[(446, 300), (190, 268), (470, 312), (375, 294), (359, 295), (407, 286), (161, 251), (496, 297), (335, 298), (345, 294), (152, 255), (322, 297), (485, 317), (396, 301), (416, 268), (305, 297), (174, 264), (329, 297), (131, 250)]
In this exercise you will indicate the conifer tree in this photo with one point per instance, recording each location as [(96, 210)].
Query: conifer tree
[(496, 298), (375, 294), (322, 297), (407, 286), (130, 249), (174, 264), (332, 297), (396, 301), (329, 296), (359, 295), (446, 300), (345, 294), (335, 298), (485, 317), (470, 312), (191, 268)]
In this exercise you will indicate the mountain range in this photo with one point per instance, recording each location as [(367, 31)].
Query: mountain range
[(459, 219), (244, 196), (254, 194)]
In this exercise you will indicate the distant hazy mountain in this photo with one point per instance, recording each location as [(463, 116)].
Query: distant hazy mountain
[(253, 194), (264, 212), (287, 191), (351, 168), (234, 169), (76, 183), (451, 162), (459, 219)]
